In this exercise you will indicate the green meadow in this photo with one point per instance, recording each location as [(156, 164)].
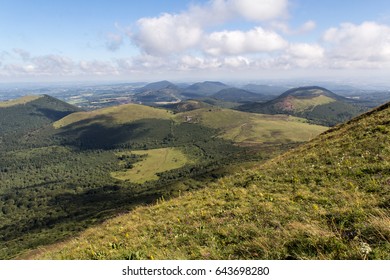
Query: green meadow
[(152, 163)]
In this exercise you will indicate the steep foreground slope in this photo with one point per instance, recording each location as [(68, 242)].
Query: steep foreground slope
[(328, 199)]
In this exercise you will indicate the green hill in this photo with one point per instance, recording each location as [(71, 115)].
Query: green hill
[(238, 95), (248, 128), (132, 124), (113, 115), (156, 86), (203, 89), (327, 199), (158, 92), (187, 105), (20, 117), (316, 104)]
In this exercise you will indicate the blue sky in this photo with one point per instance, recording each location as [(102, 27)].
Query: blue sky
[(222, 39)]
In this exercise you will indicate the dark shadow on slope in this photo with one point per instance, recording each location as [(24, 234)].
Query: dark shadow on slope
[(102, 133), (54, 115)]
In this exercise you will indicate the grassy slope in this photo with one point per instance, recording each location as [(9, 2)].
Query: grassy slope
[(242, 127), (301, 105), (156, 161), (19, 101), (328, 199), (115, 115)]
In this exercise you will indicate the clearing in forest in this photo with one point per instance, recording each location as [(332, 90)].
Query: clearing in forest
[(156, 161)]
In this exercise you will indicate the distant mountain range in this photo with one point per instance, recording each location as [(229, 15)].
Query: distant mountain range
[(165, 91), (239, 95), (207, 88)]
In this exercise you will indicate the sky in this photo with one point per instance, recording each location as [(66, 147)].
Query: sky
[(120, 40)]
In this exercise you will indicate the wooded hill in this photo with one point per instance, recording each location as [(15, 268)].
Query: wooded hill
[(316, 104)]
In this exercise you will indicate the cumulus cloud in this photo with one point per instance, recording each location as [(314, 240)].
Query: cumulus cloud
[(49, 64), (307, 51), (303, 55), (174, 33), (255, 10), (237, 62), (46, 65), (189, 62), (167, 34), (350, 45), (286, 29), (307, 26), (239, 42)]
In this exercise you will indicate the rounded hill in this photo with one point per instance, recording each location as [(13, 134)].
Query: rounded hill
[(317, 104)]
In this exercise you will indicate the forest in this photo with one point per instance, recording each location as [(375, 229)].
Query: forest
[(55, 183)]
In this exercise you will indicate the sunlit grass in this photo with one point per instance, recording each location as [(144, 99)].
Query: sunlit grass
[(114, 115), (155, 161), (19, 101), (242, 127)]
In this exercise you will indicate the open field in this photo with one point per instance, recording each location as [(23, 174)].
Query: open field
[(156, 161), (259, 130), (250, 128)]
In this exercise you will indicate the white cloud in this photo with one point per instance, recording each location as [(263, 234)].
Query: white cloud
[(188, 62), (49, 64), (46, 65), (211, 13), (255, 10), (239, 42), (167, 34), (170, 34), (307, 51), (307, 26), (237, 62), (350, 45), (304, 55), (286, 29)]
